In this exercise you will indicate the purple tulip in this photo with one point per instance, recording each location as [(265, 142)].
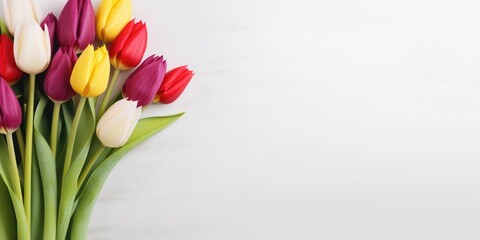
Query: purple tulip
[(10, 111), (76, 24), (57, 80), (144, 82), (51, 22)]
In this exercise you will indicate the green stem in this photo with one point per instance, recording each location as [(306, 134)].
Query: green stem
[(28, 149), (106, 98), (21, 144), (73, 134), (89, 165), (13, 166), (54, 130), (23, 231)]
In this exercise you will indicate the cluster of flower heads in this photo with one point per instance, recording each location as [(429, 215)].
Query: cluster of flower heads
[(35, 41)]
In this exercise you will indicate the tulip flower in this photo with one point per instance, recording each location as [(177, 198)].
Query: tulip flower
[(117, 124), (112, 16), (175, 81), (91, 71), (32, 48), (127, 49), (19, 13), (10, 121), (57, 80), (51, 23), (8, 68), (144, 82), (76, 24), (10, 111)]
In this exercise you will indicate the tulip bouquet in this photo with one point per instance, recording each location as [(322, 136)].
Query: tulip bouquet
[(64, 127)]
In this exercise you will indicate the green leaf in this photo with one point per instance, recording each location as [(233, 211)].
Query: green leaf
[(146, 128), (8, 224), (37, 200), (23, 232), (80, 152), (96, 144), (46, 163)]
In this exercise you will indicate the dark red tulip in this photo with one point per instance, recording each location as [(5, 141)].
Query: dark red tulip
[(142, 84), (51, 22), (8, 68), (127, 49), (57, 80), (10, 111), (76, 24), (175, 81)]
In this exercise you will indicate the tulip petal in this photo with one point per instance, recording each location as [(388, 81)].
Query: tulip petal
[(35, 10), (8, 69), (117, 124), (174, 83), (68, 24), (132, 52), (57, 80), (82, 70), (99, 78), (102, 17), (33, 53), (86, 29), (112, 17), (144, 82), (10, 111)]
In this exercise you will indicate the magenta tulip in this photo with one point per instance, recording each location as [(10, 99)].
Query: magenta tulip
[(57, 80), (10, 111), (144, 82), (76, 24), (51, 22)]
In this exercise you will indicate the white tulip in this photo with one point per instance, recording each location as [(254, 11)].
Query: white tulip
[(20, 12), (31, 48), (117, 123)]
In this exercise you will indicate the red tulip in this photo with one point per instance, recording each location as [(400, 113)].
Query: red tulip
[(175, 81), (127, 49), (141, 85), (10, 111), (51, 22), (57, 80), (8, 68)]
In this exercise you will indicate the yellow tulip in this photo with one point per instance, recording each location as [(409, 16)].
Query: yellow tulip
[(112, 16), (91, 72)]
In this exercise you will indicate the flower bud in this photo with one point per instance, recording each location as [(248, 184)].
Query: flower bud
[(51, 23), (143, 83), (175, 81), (91, 72), (10, 111), (112, 16), (19, 13), (117, 124), (32, 48), (127, 49), (76, 24), (57, 80), (8, 68)]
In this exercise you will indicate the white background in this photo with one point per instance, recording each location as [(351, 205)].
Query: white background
[(332, 120)]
